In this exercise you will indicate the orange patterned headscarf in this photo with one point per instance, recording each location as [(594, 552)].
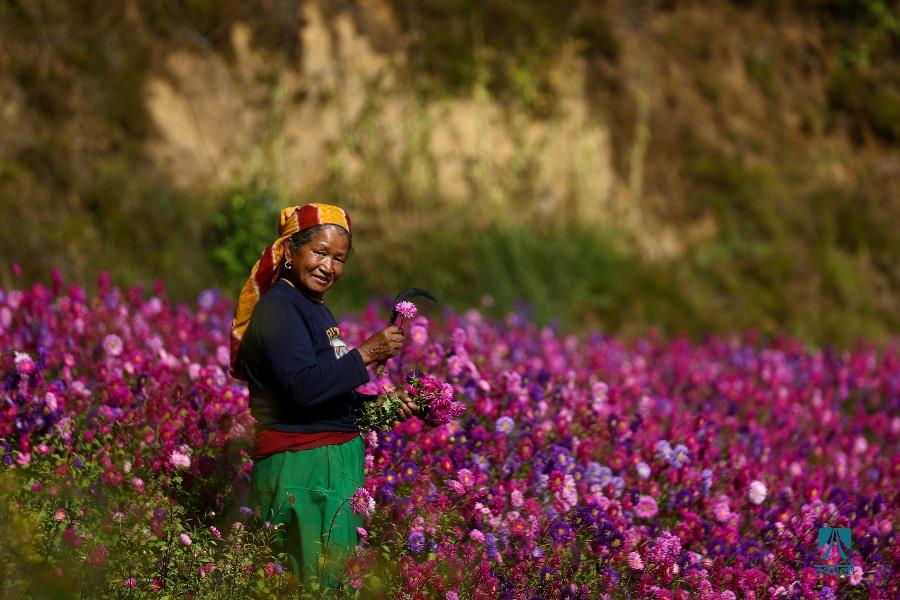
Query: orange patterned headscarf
[(293, 219)]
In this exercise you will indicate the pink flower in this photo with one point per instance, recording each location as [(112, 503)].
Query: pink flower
[(130, 583), (24, 364), (112, 345), (179, 460), (418, 335), (362, 533), (60, 515), (205, 569), (216, 533), (646, 507), (635, 562), (466, 478), (362, 502), (185, 539), (456, 486), (476, 535), (406, 309), (720, 509)]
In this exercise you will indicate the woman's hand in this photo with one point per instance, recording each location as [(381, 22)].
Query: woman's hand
[(408, 408), (382, 345)]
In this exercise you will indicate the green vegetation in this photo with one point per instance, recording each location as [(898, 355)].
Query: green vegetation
[(803, 217)]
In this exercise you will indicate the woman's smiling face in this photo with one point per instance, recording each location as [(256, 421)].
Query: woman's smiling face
[(318, 263)]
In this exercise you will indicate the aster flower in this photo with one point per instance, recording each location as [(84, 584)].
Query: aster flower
[(680, 456), (112, 345), (24, 364), (635, 562), (560, 531), (434, 397), (643, 470), (406, 309), (504, 425), (646, 507), (706, 477), (409, 471), (757, 492), (664, 450), (362, 502), (179, 460), (418, 335), (416, 542)]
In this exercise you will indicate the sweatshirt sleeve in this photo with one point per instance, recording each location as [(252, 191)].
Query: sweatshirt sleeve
[(288, 347)]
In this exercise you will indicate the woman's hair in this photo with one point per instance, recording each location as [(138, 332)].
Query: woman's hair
[(302, 237)]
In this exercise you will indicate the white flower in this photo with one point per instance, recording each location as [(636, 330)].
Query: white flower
[(112, 344), (757, 492)]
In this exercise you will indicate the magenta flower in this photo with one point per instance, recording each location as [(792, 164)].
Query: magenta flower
[(571, 439), (362, 502), (185, 539), (406, 309), (646, 507)]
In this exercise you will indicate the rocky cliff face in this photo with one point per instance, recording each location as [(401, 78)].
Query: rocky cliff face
[(676, 124)]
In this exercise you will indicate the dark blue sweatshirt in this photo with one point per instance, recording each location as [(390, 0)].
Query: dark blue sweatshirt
[(300, 374)]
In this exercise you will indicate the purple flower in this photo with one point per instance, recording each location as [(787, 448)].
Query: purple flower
[(680, 456), (206, 300), (504, 425), (409, 471), (416, 542), (561, 531)]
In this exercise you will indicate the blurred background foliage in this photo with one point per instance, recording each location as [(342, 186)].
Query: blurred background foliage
[(689, 166)]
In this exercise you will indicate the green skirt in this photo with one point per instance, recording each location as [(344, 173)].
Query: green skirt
[(307, 493)]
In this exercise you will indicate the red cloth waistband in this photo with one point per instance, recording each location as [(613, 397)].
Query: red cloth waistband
[(269, 442)]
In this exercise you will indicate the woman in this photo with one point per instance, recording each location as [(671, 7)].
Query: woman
[(286, 344)]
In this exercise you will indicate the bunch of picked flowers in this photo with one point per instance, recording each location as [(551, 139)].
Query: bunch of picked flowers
[(433, 396)]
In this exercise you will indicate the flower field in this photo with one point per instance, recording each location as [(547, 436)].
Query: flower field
[(583, 467)]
